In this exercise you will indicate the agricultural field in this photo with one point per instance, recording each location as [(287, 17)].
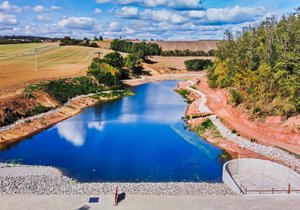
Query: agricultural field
[(17, 62), (202, 45), (161, 62)]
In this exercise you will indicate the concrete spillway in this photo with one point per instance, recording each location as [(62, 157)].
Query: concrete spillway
[(255, 176)]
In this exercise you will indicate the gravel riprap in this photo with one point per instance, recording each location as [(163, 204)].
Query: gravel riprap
[(268, 151), (53, 184)]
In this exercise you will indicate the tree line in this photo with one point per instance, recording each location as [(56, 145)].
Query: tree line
[(24, 39), (81, 42), (188, 53), (139, 49), (261, 66)]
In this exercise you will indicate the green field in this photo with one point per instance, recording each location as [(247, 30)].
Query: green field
[(9, 50)]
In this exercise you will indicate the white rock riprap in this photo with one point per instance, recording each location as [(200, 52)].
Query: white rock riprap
[(40, 180), (243, 142)]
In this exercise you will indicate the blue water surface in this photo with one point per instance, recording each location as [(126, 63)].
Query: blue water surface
[(133, 139)]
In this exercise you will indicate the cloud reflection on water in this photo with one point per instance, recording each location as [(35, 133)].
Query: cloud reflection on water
[(74, 132), (150, 106)]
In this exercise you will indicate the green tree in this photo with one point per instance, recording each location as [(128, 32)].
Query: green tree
[(115, 59)]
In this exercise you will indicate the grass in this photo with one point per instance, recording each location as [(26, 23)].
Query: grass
[(207, 126), (185, 94), (103, 96), (8, 50)]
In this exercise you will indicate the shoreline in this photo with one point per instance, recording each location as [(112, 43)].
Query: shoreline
[(45, 180), (14, 133), (231, 142)]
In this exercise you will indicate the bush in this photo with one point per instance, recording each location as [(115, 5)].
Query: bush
[(94, 45), (235, 97), (105, 73), (197, 64), (187, 53), (65, 89)]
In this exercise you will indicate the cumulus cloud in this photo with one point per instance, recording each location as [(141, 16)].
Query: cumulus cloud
[(54, 7), (114, 27), (97, 11), (163, 15), (128, 12), (180, 4), (236, 14), (83, 23), (39, 8), (5, 6), (103, 1), (42, 18), (7, 19)]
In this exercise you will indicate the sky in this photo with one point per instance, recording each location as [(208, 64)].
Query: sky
[(136, 19)]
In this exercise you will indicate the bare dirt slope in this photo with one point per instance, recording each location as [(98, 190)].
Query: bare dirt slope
[(203, 45), (272, 131)]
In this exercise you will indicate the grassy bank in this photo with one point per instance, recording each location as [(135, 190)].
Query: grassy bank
[(35, 98)]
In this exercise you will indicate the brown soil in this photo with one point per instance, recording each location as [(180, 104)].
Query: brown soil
[(19, 104), (233, 149), (166, 65)]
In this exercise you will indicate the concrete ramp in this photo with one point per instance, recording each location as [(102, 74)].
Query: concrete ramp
[(255, 176)]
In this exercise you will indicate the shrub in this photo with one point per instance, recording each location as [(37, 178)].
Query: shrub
[(65, 89), (197, 64), (235, 97)]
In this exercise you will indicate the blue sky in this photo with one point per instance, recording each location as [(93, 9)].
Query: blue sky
[(143, 19)]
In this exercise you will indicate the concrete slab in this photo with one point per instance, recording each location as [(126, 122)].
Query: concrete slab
[(137, 202)]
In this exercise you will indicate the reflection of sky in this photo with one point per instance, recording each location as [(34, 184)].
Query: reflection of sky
[(73, 132), (153, 104)]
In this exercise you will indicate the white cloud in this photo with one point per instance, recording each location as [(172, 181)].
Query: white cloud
[(114, 27), (181, 4), (188, 4), (128, 12), (163, 15), (103, 1), (7, 19), (54, 7), (42, 18), (5, 6), (83, 23), (97, 11), (39, 8), (236, 14)]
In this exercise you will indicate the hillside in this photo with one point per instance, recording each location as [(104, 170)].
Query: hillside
[(261, 67)]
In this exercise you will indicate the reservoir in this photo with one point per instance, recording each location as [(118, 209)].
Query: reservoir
[(141, 138)]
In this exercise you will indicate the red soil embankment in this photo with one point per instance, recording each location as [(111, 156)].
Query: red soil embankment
[(273, 131)]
